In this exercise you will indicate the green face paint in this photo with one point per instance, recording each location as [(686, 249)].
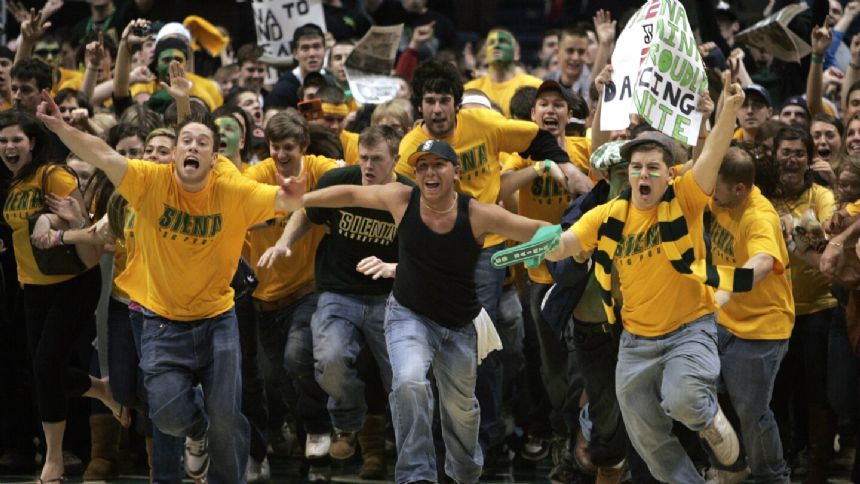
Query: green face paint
[(47, 52), (230, 133), (165, 58), (500, 48)]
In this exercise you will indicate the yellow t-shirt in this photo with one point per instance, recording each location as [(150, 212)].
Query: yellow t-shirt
[(766, 312), (349, 140), (25, 199), (811, 287), (738, 135), (201, 87), (123, 252), (657, 299), (288, 273), (478, 138), (544, 198), (853, 208), (190, 242), (502, 92)]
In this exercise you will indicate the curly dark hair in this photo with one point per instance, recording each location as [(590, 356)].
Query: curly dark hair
[(438, 77)]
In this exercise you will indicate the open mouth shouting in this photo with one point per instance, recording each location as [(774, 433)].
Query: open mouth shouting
[(550, 123), (222, 147), (824, 152), (11, 159), (432, 186), (190, 165)]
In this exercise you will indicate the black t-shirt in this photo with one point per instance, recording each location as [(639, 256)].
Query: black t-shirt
[(391, 12), (354, 233)]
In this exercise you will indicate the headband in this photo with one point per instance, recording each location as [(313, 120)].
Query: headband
[(335, 109), (476, 99)]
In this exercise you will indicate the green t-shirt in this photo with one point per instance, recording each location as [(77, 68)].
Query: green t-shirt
[(354, 233)]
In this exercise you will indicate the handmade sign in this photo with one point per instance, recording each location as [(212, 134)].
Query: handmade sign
[(773, 35), (657, 73), (276, 20), (368, 68)]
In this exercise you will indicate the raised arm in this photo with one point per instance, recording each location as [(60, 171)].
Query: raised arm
[(179, 89), (89, 148), (493, 219), (94, 55), (127, 42), (32, 29), (604, 27), (392, 197), (708, 165), (513, 180), (598, 136), (821, 38)]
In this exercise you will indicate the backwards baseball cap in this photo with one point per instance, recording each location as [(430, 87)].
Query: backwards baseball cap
[(608, 156), (799, 101), (759, 91), (650, 137), (436, 147)]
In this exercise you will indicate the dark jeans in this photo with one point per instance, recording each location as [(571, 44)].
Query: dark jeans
[(56, 314), (285, 335), (253, 388), (126, 379), (597, 354)]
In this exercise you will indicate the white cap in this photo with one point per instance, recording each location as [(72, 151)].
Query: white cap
[(173, 29)]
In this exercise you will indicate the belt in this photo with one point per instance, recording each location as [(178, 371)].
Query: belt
[(592, 328), (285, 301)]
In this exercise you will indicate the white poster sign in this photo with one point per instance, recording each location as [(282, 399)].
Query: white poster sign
[(276, 20)]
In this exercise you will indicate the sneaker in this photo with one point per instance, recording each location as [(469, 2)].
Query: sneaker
[(535, 449), (196, 457), (317, 446), (722, 439), (719, 476), (343, 445), (258, 471)]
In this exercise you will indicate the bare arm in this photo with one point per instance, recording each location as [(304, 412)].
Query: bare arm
[(761, 264), (604, 27), (89, 148), (569, 247), (706, 107), (821, 38), (123, 56), (180, 90), (94, 55), (493, 219), (297, 226), (598, 136), (32, 29), (708, 165), (392, 197)]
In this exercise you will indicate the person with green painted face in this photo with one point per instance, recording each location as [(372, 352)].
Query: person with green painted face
[(232, 125), (502, 79)]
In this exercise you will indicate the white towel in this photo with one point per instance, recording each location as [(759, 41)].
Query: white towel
[(488, 338)]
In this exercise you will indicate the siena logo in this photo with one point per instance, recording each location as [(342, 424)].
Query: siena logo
[(427, 144)]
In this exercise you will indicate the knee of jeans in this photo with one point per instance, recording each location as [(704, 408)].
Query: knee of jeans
[(691, 406), (174, 417), (409, 379), (297, 363)]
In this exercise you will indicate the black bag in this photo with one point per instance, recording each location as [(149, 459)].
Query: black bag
[(62, 260), (244, 280)]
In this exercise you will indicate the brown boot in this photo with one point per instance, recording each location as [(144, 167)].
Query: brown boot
[(822, 430), (104, 433), (372, 442), (611, 475)]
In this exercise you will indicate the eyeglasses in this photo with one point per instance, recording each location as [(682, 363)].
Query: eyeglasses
[(47, 52)]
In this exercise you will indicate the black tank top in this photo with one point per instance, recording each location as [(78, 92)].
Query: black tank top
[(436, 272)]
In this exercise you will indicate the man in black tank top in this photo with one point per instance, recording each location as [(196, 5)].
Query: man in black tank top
[(428, 320)]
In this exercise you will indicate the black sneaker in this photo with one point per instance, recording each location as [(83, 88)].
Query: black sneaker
[(196, 457)]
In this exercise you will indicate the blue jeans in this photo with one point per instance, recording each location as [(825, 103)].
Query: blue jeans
[(126, 382), (489, 283), (342, 325), (174, 355), (416, 343), (749, 369), (668, 377), (285, 335), (167, 450)]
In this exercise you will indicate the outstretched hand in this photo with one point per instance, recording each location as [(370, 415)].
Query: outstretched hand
[(267, 260), (291, 193), (49, 113), (180, 86), (604, 27)]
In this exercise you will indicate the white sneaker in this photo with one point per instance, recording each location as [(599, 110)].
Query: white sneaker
[(718, 476), (258, 471), (196, 457), (722, 439), (317, 446)]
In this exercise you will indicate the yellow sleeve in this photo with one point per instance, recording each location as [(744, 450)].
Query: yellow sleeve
[(408, 145), (853, 208), (258, 199), (690, 195), (587, 226), (137, 180), (510, 135), (825, 203), (60, 182), (762, 235), (261, 172), (579, 151), (319, 166), (514, 162)]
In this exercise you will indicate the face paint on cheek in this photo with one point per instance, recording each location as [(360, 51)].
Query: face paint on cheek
[(503, 42), (230, 137), (635, 173), (164, 59), (654, 174)]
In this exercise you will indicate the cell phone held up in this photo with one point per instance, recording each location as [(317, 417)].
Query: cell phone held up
[(141, 30), (311, 109)]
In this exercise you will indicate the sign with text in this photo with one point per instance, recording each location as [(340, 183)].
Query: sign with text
[(657, 73), (276, 20)]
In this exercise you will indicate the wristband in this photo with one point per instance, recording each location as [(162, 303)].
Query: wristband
[(60, 234), (816, 59), (547, 165)]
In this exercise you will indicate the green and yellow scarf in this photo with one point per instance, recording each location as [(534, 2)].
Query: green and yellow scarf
[(676, 244)]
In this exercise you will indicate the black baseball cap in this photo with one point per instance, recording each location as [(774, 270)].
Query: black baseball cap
[(550, 85), (795, 101), (649, 137), (760, 92), (436, 147)]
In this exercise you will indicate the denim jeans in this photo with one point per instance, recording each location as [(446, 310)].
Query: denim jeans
[(167, 450), (342, 325), (285, 335), (126, 381), (253, 388), (415, 344), (489, 283), (174, 355), (659, 379), (748, 371)]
